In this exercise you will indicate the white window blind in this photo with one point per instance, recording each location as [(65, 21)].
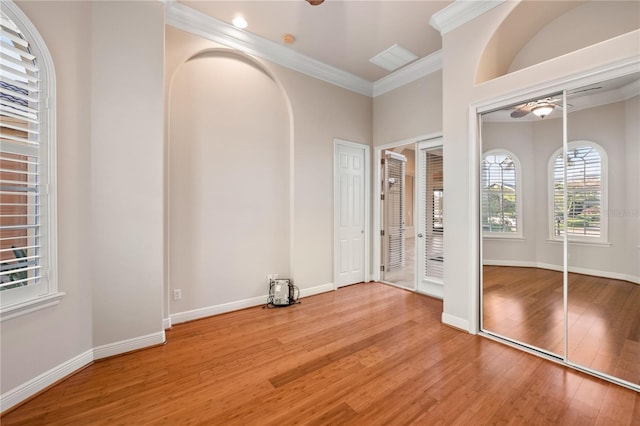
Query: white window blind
[(394, 202), (432, 186), (584, 187), (500, 193), (20, 167)]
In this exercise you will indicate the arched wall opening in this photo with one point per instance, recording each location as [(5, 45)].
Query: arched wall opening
[(228, 183), (535, 32)]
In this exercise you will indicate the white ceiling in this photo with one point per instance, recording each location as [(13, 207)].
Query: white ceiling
[(343, 34)]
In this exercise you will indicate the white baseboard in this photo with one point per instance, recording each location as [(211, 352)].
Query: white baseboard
[(44, 380), (455, 322), (129, 345), (166, 323), (585, 271), (208, 311), (223, 308), (306, 292)]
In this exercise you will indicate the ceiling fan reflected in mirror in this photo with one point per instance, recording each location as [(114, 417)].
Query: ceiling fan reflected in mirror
[(540, 108)]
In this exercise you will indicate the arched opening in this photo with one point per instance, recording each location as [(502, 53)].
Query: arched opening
[(228, 183), (535, 32)]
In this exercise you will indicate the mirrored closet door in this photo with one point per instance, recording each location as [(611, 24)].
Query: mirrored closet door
[(559, 212)]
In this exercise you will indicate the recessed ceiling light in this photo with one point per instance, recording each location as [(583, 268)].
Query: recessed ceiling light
[(239, 22)]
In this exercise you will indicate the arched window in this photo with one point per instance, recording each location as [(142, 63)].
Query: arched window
[(27, 167), (501, 194), (586, 177)]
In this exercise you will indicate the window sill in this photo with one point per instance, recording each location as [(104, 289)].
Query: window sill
[(503, 237), (32, 305), (581, 243)]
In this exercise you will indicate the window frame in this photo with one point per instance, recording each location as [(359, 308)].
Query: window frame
[(23, 300), (602, 239), (519, 233)]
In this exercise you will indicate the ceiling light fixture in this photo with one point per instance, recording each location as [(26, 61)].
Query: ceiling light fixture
[(315, 2), (239, 22), (543, 110)]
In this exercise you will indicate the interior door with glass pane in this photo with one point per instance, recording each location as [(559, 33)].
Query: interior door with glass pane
[(430, 224)]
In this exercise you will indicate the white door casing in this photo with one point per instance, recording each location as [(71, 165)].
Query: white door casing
[(350, 213), (430, 253)]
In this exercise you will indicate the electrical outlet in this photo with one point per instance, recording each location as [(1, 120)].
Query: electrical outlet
[(177, 294), (275, 276)]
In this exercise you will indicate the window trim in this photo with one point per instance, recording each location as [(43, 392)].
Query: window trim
[(519, 234), (603, 238), (24, 300)]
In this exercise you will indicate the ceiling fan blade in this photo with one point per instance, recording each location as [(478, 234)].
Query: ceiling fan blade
[(584, 90), (520, 112)]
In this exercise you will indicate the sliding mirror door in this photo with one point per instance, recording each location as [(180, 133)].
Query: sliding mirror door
[(560, 219), (522, 285), (602, 227)]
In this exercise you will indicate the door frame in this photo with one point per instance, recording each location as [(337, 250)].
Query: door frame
[(436, 287), (366, 273), (377, 190)]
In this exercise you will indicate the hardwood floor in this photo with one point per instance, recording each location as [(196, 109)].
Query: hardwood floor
[(526, 304), (368, 354)]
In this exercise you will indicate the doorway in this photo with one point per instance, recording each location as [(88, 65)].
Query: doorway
[(411, 196)]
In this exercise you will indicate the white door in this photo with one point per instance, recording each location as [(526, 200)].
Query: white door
[(349, 190), (430, 254)]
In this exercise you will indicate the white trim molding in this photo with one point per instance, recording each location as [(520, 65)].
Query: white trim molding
[(205, 26), (456, 322), (223, 308), (460, 12), (573, 269), (412, 72), (26, 390), (129, 345)]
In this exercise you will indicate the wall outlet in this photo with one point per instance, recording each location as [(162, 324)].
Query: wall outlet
[(177, 294), (272, 277)]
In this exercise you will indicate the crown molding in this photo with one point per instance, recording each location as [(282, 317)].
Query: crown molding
[(200, 24), (418, 69), (460, 12)]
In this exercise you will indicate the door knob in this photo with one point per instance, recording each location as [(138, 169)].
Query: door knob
[(420, 235)]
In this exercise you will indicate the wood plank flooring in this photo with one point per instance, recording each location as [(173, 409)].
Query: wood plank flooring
[(368, 354), (526, 304)]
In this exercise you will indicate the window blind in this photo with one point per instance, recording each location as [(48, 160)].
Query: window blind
[(19, 160), (394, 201), (499, 194), (584, 192), (432, 186)]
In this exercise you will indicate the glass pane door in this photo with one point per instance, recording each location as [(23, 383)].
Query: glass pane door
[(430, 219)]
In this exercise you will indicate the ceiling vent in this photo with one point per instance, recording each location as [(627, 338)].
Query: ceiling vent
[(393, 58)]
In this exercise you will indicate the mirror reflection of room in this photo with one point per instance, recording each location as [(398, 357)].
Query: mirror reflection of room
[(537, 197)]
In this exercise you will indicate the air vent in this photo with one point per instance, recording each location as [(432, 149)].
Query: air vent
[(393, 58)]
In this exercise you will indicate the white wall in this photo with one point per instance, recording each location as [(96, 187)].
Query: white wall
[(228, 181), (462, 51), (110, 192), (409, 111), (35, 343), (127, 169), (319, 112)]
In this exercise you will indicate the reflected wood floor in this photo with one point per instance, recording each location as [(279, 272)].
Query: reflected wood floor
[(367, 354), (526, 304)]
